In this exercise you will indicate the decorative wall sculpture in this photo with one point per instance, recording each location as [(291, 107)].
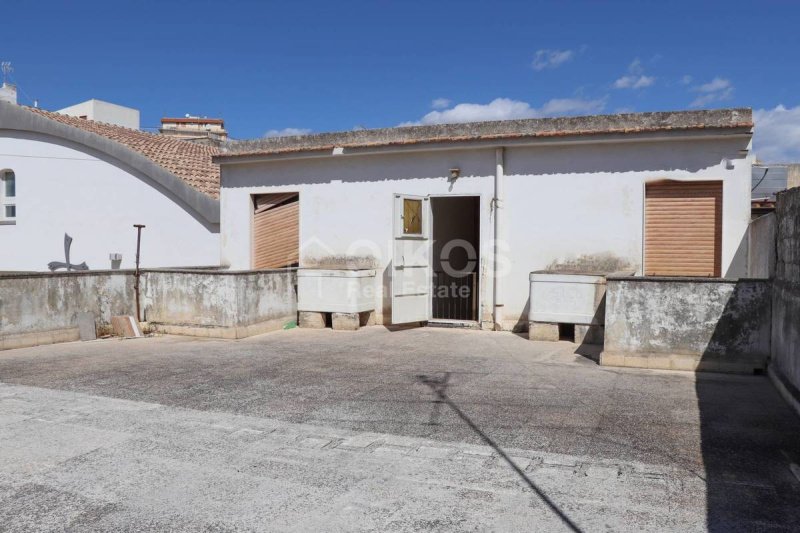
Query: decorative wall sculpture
[(55, 265)]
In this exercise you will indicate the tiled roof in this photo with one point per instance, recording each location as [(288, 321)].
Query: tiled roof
[(620, 124), (189, 161)]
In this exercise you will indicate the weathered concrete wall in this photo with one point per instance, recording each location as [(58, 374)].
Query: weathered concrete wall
[(761, 247), (688, 323), (185, 297), (226, 304), (43, 308), (785, 365), (267, 296)]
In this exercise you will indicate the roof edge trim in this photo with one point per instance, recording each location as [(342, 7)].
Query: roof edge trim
[(592, 126), (488, 142)]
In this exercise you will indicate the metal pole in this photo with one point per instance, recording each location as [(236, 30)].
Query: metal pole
[(499, 197), (136, 272)]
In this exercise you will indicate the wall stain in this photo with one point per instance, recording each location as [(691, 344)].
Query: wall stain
[(345, 262), (603, 262)]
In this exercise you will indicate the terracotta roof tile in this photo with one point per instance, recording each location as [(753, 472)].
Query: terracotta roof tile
[(189, 161)]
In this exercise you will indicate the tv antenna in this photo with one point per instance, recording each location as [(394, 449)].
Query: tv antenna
[(7, 69)]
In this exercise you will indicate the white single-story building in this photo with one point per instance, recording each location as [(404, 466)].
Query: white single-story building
[(93, 181), (484, 204)]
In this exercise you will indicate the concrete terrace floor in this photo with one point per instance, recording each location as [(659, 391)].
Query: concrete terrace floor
[(413, 430)]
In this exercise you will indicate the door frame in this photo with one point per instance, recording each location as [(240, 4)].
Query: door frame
[(479, 320)]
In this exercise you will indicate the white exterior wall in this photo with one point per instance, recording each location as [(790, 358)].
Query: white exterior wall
[(353, 216), (66, 189), (564, 202), (101, 111), (561, 203)]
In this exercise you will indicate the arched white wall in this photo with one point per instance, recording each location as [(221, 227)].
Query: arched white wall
[(64, 188)]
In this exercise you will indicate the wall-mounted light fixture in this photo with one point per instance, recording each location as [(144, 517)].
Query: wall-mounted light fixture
[(454, 173)]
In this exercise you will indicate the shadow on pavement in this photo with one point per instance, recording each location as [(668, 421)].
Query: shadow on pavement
[(749, 435), (439, 388)]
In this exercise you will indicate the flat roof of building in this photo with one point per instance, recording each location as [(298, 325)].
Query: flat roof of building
[(739, 120)]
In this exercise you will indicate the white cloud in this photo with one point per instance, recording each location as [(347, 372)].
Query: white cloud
[(686, 79), (777, 134), (440, 103), (551, 58), (287, 132), (570, 106), (717, 84), (507, 109), (634, 82), (635, 79), (717, 90)]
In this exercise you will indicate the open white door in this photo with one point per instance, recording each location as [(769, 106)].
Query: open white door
[(411, 264)]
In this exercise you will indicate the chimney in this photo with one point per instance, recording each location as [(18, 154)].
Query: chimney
[(8, 93)]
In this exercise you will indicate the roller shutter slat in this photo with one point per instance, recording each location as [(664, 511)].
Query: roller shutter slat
[(683, 222), (265, 202)]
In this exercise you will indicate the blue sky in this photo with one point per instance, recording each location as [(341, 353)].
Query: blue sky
[(272, 67)]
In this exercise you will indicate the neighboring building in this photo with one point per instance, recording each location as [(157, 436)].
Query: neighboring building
[(106, 112), (767, 181), (196, 129), (654, 193), (8, 93), (93, 181)]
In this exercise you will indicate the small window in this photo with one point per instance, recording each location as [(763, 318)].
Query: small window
[(8, 195), (412, 216), (9, 184)]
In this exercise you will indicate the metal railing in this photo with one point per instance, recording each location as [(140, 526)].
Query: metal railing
[(455, 297)]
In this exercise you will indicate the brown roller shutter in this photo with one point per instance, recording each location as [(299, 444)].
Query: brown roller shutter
[(276, 230), (683, 228)]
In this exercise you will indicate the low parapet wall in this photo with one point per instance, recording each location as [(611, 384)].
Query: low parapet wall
[(43, 308), (688, 323), (219, 304)]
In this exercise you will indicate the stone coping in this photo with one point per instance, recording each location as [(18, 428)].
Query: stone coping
[(130, 272), (685, 279), (614, 273), (671, 122)]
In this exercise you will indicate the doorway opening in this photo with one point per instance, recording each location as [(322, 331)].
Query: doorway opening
[(456, 258)]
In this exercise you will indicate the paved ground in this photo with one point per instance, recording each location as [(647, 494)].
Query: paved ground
[(423, 429)]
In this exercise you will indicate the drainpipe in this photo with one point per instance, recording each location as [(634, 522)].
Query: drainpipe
[(497, 203)]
